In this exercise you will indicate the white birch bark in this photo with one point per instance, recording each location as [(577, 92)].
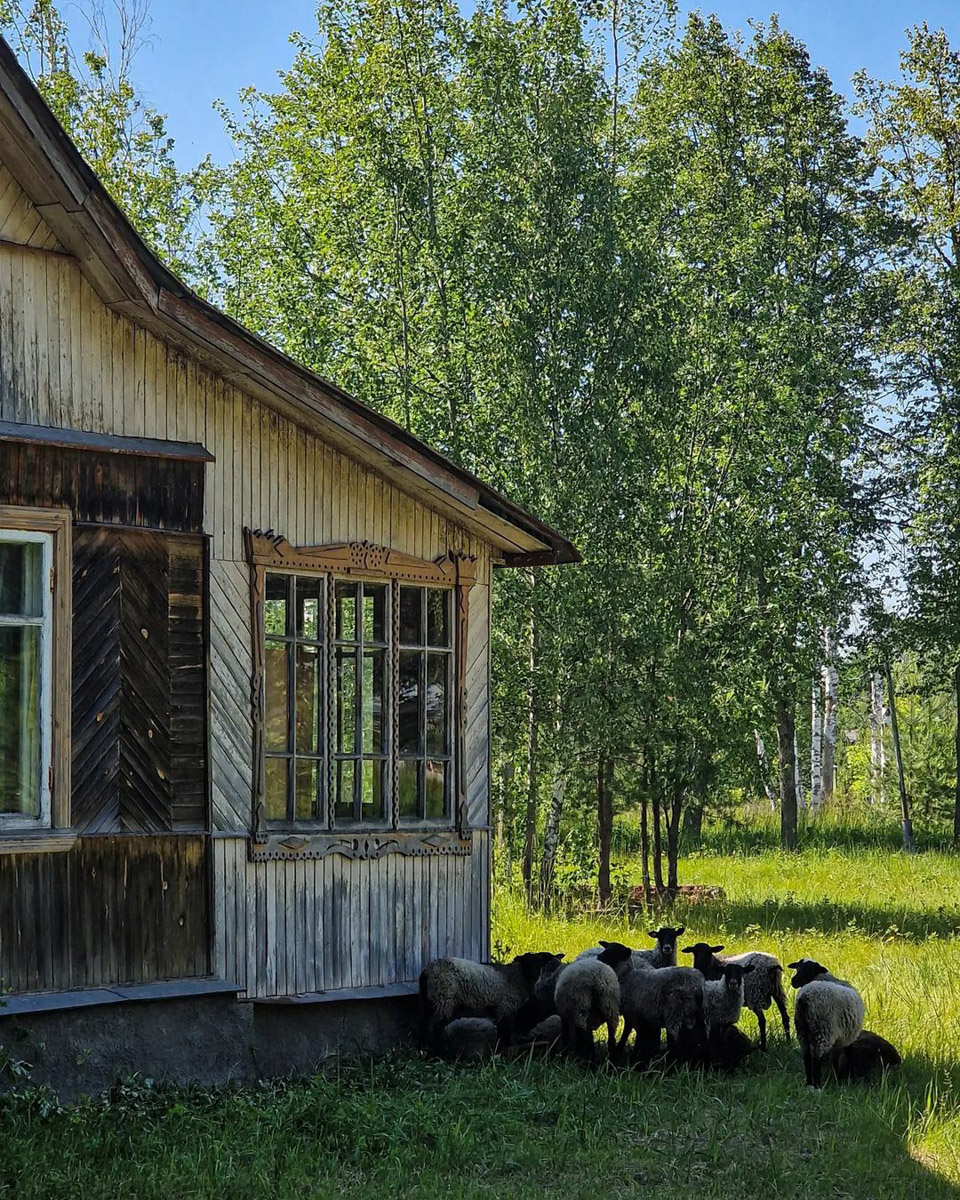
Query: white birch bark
[(877, 721), (816, 748), (830, 681), (798, 781), (769, 791), (551, 833)]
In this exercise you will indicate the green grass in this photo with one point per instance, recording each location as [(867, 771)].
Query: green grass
[(409, 1127)]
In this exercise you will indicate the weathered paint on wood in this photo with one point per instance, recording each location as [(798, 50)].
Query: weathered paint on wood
[(67, 360), (110, 910), (316, 925)]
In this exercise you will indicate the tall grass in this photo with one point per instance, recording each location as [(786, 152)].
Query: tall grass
[(408, 1127)]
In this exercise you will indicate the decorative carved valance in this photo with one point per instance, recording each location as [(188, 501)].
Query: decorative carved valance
[(417, 843), (272, 550)]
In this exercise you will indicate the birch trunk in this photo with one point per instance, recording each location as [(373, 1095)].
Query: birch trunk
[(876, 739), (830, 680), (533, 746), (906, 824), (604, 826), (816, 749), (786, 740), (551, 834), (764, 771)]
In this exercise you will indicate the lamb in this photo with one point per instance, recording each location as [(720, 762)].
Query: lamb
[(587, 995), (670, 998), (471, 1039), (723, 997), (663, 954), (459, 987), (829, 1015), (764, 985), (869, 1053)]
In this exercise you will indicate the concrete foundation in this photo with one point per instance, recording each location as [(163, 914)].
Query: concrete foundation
[(209, 1039)]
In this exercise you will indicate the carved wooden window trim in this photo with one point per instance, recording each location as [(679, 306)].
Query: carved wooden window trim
[(361, 560)]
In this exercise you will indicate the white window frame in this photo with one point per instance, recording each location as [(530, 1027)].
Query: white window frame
[(43, 819)]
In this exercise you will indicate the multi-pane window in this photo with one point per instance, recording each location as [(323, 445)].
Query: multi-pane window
[(425, 691), (358, 695), (25, 676)]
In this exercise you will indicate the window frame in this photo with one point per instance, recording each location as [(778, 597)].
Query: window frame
[(50, 527), (356, 563)]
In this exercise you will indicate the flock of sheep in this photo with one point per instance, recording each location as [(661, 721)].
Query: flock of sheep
[(469, 1009)]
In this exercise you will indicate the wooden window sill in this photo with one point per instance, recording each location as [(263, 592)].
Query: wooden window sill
[(374, 843), (41, 842), (28, 1003), (387, 991)]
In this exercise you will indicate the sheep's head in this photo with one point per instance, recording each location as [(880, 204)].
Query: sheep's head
[(807, 969), (733, 974), (666, 938), (703, 959), (546, 982), (615, 954), (531, 965)]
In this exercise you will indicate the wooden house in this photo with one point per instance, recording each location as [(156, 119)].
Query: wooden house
[(244, 665)]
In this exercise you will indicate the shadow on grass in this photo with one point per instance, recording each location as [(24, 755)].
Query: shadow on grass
[(779, 914)]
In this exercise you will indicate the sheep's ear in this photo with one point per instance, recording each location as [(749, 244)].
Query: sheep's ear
[(652, 933), (749, 967), (603, 943), (715, 949), (681, 930), (689, 950), (795, 965)]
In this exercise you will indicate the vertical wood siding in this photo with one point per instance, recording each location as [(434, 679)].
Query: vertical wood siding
[(68, 361)]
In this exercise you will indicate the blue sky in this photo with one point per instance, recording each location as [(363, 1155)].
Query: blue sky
[(203, 50)]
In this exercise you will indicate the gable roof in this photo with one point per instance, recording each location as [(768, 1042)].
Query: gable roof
[(129, 278)]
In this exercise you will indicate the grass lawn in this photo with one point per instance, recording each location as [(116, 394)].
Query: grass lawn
[(408, 1127)]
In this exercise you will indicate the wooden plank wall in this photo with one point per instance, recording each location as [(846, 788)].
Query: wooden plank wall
[(111, 910), (68, 361)]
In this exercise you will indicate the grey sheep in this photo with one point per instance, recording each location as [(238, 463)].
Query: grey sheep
[(587, 995), (470, 1038), (670, 998), (865, 1056), (458, 987), (829, 1015), (763, 987), (663, 954), (723, 997)]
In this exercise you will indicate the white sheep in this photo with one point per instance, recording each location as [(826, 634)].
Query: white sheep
[(459, 987), (669, 998), (587, 995), (763, 987), (828, 1016)]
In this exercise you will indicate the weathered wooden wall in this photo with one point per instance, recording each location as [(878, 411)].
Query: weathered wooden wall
[(66, 360), (110, 910)]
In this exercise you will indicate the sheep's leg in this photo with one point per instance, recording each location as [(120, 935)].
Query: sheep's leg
[(567, 1037), (612, 1047), (762, 1022), (812, 1065), (624, 1037), (781, 1003)]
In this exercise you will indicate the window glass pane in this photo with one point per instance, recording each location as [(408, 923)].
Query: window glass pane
[(344, 789), (346, 612), (276, 693), (21, 582), (371, 795), (408, 701), (276, 799), (407, 781), (20, 720), (308, 698), (373, 703), (436, 716), (374, 612), (275, 605), (436, 776), (411, 618), (438, 621), (309, 622), (307, 776), (346, 702)]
